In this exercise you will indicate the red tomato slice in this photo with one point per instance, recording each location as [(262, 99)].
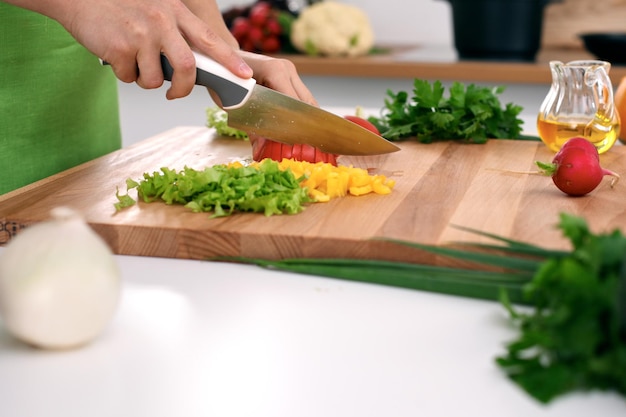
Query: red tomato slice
[(266, 148), (363, 123), (308, 153)]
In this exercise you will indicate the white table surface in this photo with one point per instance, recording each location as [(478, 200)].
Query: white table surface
[(194, 338)]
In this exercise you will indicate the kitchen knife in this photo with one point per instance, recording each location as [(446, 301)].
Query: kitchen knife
[(261, 111)]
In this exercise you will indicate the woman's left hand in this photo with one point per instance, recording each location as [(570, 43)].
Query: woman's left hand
[(278, 74)]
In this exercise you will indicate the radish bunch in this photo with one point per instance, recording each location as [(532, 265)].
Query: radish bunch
[(576, 169), (259, 30)]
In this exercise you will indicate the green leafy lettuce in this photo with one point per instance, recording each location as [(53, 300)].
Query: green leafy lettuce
[(218, 120), (223, 189)]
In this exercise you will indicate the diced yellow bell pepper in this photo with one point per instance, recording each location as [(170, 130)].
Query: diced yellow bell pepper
[(325, 181), (365, 189)]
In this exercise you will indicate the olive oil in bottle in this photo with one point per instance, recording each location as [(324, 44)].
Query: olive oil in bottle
[(600, 131)]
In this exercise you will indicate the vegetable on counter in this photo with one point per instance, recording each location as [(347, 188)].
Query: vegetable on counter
[(263, 148), (572, 328), (59, 283), (363, 122), (218, 120), (576, 169), (222, 189), (332, 29), (574, 338), (470, 113), (266, 148), (324, 181), (267, 186)]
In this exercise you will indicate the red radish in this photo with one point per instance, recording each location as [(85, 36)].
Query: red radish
[(260, 13), (256, 35), (270, 45), (240, 28), (582, 143), (363, 123), (576, 169), (272, 27)]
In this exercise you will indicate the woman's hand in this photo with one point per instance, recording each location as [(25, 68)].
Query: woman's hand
[(278, 74), (131, 34)]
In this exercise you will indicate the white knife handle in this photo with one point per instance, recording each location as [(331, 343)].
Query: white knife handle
[(232, 90)]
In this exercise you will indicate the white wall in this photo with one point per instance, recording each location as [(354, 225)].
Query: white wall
[(399, 21), (408, 21)]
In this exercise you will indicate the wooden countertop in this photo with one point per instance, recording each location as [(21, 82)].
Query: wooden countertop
[(441, 63)]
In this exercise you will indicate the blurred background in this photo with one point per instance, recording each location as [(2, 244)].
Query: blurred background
[(426, 24)]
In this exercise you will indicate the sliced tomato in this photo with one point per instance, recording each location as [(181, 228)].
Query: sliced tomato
[(363, 123), (308, 153), (265, 148)]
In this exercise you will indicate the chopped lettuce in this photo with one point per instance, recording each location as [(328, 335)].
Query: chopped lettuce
[(224, 189), (218, 120)]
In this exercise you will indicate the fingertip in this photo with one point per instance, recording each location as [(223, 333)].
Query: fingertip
[(177, 91), (244, 70), (172, 94)]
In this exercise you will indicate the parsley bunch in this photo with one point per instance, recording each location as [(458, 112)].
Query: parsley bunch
[(575, 337), (473, 114)]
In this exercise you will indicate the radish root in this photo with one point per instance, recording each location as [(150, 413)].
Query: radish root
[(614, 176)]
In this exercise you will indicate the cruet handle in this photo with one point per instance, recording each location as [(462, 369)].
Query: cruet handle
[(598, 78)]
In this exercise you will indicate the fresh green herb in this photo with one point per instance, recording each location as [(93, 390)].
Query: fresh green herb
[(218, 120), (573, 327), (472, 114), (575, 338), (223, 189)]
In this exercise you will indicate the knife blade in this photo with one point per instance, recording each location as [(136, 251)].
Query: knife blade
[(258, 110)]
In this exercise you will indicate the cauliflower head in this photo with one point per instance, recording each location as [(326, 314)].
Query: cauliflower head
[(332, 29)]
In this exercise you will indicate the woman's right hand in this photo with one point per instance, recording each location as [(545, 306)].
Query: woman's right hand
[(131, 34)]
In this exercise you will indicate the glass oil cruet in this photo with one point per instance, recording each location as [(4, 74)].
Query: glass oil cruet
[(579, 103)]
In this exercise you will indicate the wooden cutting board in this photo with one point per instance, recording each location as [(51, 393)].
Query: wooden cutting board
[(437, 186)]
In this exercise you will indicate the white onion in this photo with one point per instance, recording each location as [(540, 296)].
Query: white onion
[(59, 283)]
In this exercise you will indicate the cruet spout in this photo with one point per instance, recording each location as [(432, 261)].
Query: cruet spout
[(556, 68)]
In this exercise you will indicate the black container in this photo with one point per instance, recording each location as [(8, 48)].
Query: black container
[(608, 46), (498, 30)]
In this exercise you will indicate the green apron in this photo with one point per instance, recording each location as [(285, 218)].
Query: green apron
[(58, 105)]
